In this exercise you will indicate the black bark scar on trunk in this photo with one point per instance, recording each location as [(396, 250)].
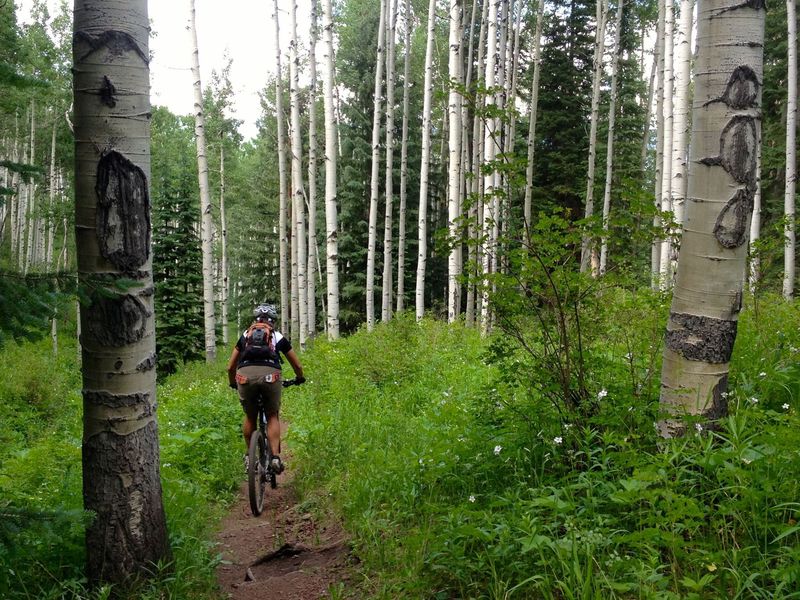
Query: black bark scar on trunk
[(147, 364), (123, 212), (732, 223), (95, 397), (737, 150), (107, 91), (741, 92), (702, 339), (117, 321), (754, 4), (117, 43)]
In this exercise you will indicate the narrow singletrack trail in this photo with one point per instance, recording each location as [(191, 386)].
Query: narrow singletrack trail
[(284, 553)]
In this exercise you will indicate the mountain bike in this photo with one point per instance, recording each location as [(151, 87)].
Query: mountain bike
[(259, 468)]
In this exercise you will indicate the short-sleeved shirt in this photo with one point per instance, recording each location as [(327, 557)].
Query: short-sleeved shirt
[(280, 343)]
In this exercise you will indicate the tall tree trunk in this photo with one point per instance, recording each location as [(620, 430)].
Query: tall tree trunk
[(755, 228), (655, 249), (224, 241), (376, 164), (665, 274), (206, 220), (612, 115), (600, 18), (298, 191), (121, 483), (283, 201), (51, 225), (401, 225), (454, 145), (30, 209), (651, 90), (791, 155), (313, 256), (533, 108), (422, 253), (722, 181), (386, 295), (680, 129)]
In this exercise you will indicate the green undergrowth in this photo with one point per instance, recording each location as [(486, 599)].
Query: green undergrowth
[(457, 481), (41, 517)]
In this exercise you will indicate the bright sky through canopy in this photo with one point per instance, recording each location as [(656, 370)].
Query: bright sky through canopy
[(243, 29)]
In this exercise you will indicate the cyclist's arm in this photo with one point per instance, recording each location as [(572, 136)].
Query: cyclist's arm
[(232, 366), (295, 362)]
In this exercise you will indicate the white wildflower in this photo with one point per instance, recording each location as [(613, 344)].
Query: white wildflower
[(472, 498), (746, 461), (421, 461), (497, 450), (602, 393), (698, 427), (785, 406), (762, 374), (753, 400), (558, 440), (446, 394)]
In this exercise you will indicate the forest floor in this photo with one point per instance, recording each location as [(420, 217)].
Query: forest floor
[(287, 552)]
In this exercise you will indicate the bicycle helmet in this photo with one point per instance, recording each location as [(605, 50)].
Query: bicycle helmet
[(265, 312)]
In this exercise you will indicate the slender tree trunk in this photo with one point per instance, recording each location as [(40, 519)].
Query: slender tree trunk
[(612, 115), (298, 191), (30, 219), (331, 226), (680, 130), (283, 202), (722, 182), (121, 486), (454, 145), (51, 225), (376, 163), (755, 228), (466, 168), (600, 18), (791, 155), (313, 256), (206, 221), (666, 170), (533, 109), (224, 242), (655, 250), (386, 295), (401, 226), (422, 254), (651, 90)]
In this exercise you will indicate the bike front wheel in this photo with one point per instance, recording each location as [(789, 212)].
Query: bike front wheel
[(257, 471)]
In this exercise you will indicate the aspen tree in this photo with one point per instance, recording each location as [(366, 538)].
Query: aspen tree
[(532, 110), (313, 257), (791, 155), (601, 12), (386, 295), (467, 166), (121, 486), (754, 271), (655, 249), (283, 202), (376, 160), (401, 225), (711, 271), (680, 129), (665, 276), (422, 252), (206, 221), (30, 207), (331, 225), (612, 114), (454, 145), (298, 191), (223, 241)]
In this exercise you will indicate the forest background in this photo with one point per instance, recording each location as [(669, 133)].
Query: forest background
[(38, 288)]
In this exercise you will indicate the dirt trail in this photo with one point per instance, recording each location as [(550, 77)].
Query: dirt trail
[(284, 553)]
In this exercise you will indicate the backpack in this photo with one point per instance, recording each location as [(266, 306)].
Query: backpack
[(259, 343)]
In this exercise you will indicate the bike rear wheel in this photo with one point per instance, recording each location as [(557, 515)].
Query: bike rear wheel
[(257, 471)]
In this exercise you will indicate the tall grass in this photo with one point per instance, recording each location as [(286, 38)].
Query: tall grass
[(458, 481)]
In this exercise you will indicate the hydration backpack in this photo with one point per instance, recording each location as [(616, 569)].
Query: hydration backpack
[(259, 343)]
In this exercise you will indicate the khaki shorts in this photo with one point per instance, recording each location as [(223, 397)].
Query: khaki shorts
[(255, 380)]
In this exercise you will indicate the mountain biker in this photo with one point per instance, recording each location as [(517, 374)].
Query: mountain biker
[(255, 369)]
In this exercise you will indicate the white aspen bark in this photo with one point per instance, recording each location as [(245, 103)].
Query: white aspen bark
[(754, 271), (665, 276), (376, 163), (223, 242), (331, 225), (490, 148), (532, 110), (283, 202), (298, 191), (121, 485), (466, 168), (401, 225), (651, 90), (30, 212), (680, 129), (15, 202), (313, 255), (600, 19), (386, 295), (708, 287), (422, 253), (612, 115), (655, 250), (50, 233), (206, 220), (454, 145), (791, 155)]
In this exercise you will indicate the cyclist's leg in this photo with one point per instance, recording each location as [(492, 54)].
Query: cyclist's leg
[(248, 397), (271, 393)]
